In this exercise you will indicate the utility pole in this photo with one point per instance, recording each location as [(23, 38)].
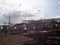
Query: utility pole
[(9, 20)]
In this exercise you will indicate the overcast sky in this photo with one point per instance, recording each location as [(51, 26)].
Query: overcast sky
[(28, 9)]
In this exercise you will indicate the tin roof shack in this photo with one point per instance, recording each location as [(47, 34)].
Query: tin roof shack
[(20, 28), (57, 24), (0, 30), (4, 28)]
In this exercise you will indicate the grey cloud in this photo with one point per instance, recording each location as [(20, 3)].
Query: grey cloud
[(16, 16)]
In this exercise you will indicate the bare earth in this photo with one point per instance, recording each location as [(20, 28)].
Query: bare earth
[(12, 39)]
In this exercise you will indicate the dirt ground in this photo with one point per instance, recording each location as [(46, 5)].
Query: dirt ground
[(18, 39)]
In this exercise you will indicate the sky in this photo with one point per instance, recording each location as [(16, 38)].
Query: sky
[(20, 10)]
